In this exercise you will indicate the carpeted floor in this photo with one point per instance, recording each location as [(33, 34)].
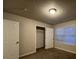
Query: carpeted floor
[(50, 54)]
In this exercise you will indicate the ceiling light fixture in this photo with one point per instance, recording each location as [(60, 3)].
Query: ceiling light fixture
[(52, 11)]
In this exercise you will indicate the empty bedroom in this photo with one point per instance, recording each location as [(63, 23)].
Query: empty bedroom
[(39, 29)]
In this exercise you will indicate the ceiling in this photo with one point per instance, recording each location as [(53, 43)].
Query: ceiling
[(38, 9)]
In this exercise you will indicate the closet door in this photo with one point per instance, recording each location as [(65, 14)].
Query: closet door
[(49, 38), (40, 38), (10, 39)]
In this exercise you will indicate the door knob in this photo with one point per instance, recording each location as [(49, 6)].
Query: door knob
[(17, 42)]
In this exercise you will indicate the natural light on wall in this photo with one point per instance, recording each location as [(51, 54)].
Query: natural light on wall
[(66, 35)]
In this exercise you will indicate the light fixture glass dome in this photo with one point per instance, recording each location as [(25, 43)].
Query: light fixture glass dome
[(52, 11)]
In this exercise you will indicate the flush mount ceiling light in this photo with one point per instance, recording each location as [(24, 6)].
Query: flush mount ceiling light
[(52, 11)]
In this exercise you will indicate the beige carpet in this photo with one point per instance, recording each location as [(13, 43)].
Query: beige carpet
[(50, 54)]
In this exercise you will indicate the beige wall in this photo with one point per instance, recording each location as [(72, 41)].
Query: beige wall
[(27, 32), (61, 45)]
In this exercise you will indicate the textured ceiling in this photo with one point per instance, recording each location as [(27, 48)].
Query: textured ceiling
[(38, 9)]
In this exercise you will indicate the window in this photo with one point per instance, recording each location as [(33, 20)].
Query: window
[(69, 36), (66, 35), (59, 34)]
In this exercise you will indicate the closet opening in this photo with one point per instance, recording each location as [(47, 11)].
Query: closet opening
[(40, 38)]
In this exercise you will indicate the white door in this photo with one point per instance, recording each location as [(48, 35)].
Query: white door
[(10, 39), (40, 38), (49, 38)]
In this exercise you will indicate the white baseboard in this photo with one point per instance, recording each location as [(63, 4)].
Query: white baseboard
[(27, 53), (66, 50)]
